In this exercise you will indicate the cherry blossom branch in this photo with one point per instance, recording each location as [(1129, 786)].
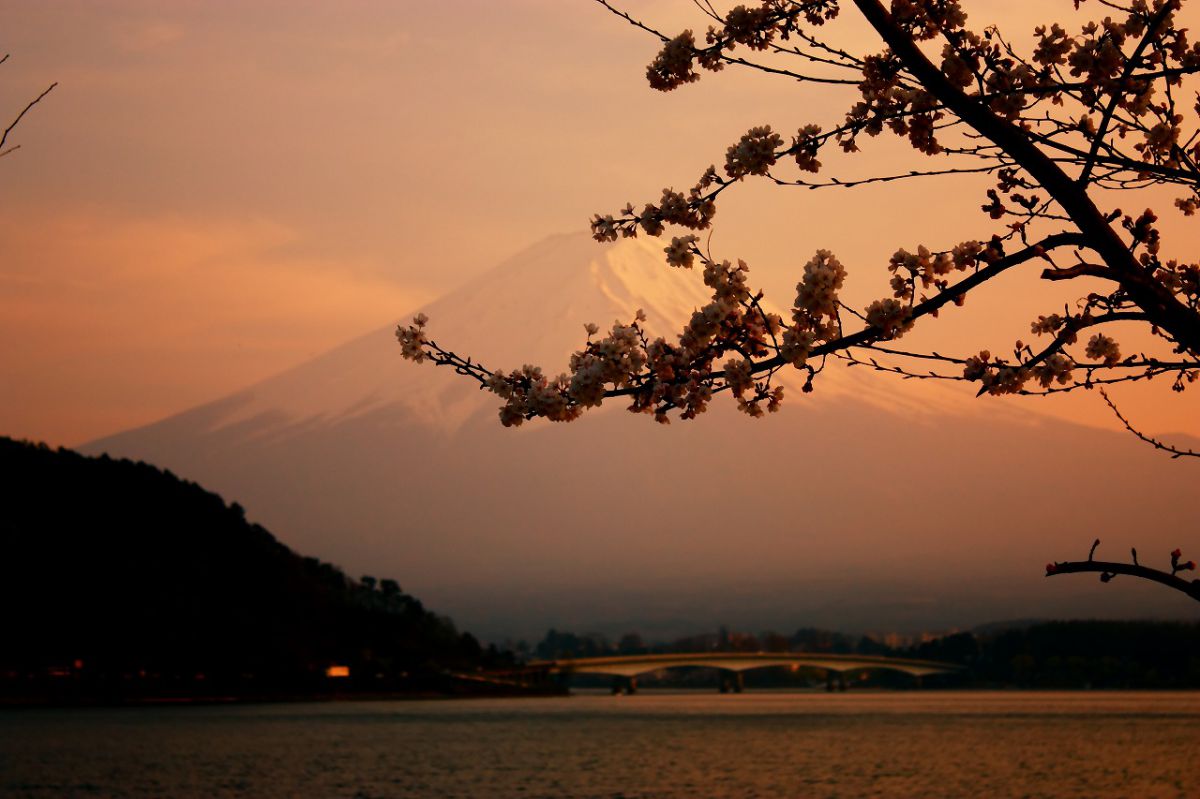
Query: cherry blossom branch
[(869, 334), (984, 101), (657, 375), (717, 50), (1170, 314), (1088, 382), (915, 173), (1108, 570), (1129, 363), (1152, 29)]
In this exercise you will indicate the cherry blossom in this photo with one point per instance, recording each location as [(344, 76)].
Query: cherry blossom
[(1057, 123)]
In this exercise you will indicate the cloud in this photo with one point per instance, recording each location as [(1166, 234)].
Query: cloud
[(142, 36), (383, 43)]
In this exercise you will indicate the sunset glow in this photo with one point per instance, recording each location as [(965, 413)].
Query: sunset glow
[(201, 205)]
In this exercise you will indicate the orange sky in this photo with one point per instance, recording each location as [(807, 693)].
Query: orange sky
[(217, 191)]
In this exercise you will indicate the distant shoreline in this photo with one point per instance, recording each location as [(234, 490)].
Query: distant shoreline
[(11, 703), (19, 703)]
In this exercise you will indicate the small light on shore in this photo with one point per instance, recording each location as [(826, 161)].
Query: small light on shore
[(337, 671)]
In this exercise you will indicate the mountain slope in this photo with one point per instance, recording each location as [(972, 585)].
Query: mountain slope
[(546, 293), (869, 503)]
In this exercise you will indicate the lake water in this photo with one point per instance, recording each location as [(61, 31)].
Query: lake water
[(904, 744)]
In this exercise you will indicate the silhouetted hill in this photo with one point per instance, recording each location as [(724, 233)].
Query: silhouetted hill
[(1077, 654), (119, 580)]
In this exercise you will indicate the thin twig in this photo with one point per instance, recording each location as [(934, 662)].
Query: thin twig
[(1176, 452), (35, 101)]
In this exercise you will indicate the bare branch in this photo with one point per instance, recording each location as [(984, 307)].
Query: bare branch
[(1176, 452), (1079, 270), (24, 111)]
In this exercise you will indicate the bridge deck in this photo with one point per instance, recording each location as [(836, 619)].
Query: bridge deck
[(633, 665)]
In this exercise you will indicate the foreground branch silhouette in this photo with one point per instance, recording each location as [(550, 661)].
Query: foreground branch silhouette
[(1060, 126), (1109, 570), (12, 125)]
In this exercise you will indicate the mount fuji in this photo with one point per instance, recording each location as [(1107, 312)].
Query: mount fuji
[(870, 504)]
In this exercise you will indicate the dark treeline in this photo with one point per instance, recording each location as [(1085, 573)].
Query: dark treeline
[(1056, 654), (557, 644), (119, 581), (1077, 654)]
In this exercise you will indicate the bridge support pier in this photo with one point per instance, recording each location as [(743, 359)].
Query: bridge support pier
[(624, 685), (732, 682)]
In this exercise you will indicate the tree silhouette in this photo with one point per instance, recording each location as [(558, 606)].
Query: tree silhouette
[(1064, 125), (126, 569)]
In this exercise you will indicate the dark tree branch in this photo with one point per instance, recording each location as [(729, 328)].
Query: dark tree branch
[(24, 111), (1182, 322), (1176, 452), (1108, 570), (869, 335), (1189, 587), (1079, 270), (1118, 93)]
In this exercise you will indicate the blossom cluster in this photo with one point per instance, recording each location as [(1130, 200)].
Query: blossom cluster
[(806, 146), (1104, 349), (817, 291), (891, 317), (679, 251), (672, 67), (815, 312), (926, 20), (693, 210), (413, 340), (753, 154), (656, 376), (930, 269), (997, 376), (753, 27), (888, 103)]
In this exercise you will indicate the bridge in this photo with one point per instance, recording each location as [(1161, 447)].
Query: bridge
[(626, 668)]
